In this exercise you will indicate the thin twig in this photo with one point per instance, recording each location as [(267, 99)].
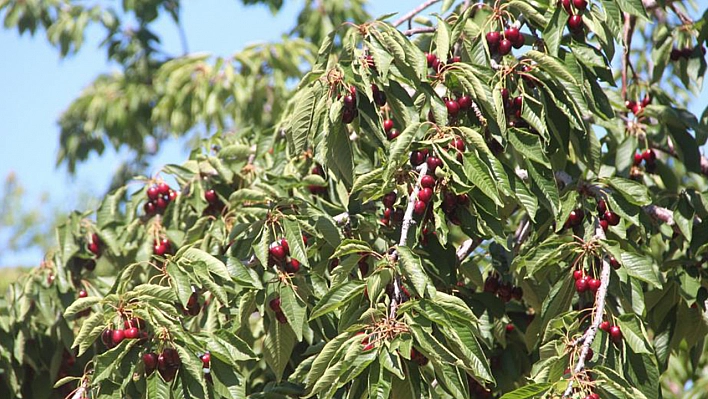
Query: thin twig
[(412, 13)]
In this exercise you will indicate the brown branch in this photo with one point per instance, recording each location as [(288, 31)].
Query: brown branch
[(627, 32), (408, 221), (600, 297), (415, 31), (467, 247), (412, 13)]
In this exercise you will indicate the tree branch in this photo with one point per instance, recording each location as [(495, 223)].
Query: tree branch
[(415, 31), (599, 312), (467, 246), (412, 13), (407, 223)]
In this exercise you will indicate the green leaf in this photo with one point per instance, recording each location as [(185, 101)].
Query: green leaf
[(528, 391), (340, 156), (398, 153), (546, 182), (90, 330), (337, 297), (480, 175), (553, 32), (552, 65), (634, 7), (529, 145), (278, 345), (412, 270), (640, 267), (294, 308), (214, 265), (633, 334), (303, 116), (81, 304), (442, 40), (295, 243), (229, 347), (634, 192)]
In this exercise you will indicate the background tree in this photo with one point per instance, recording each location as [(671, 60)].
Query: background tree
[(311, 245)]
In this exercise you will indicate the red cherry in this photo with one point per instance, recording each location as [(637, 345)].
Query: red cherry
[(427, 180), (430, 58), (575, 24), (605, 326), (149, 208), (615, 334), (510, 328), (107, 338), (614, 263), (210, 196), (454, 59), (459, 144), (150, 362), (512, 34), (505, 47), (518, 43), (118, 336), (277, 252), (83, 294), (601, 206), (349, 101), (493, 39), (465, 103), (159, 249), (612, 218), (593, 396), (577, 274), (280, 316), (604, 225), (462, 199), (163, 188), (417, 157), (433, 163), (153, 193), (576, 217), (425, 194), (580, 5), (348, 115), (393, 134), (206, 358), (649, 156), (379, 96), (132, 333), (389, 199), (566, 6), (491, 284), (160, 204), (637, 159), (594, 284), (517, 293), (505, 96), (172, 195), (453, 108), (293, 266), (388, 125), (589, 354), (419, 207), (284, 244), (646, 100), (581, 285), (275, 304)]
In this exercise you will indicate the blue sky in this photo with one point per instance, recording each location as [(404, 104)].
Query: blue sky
[(37, 85)]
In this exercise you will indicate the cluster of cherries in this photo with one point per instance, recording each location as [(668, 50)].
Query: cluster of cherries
[(159, 196), (614, 331), (279, 254), (455, 106), (512, 107), (275, 306), (638, 106), (391, 131), (575, 22), (584, 282), (648, 156), (162, 247), (607, 217), (391, 213), (95, 246), (350, 111), (503, 289), (167, 363), (502, 45), (685, 52), (132, 329), (317, 190), (436, 64)]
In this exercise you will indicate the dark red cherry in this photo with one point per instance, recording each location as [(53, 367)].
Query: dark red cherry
[(427, 180), (388, 125), (453, 108), (465, 103), (505, 47), (493, 39), (612, 218), (575, 24), (419, 207), (581, 285)]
